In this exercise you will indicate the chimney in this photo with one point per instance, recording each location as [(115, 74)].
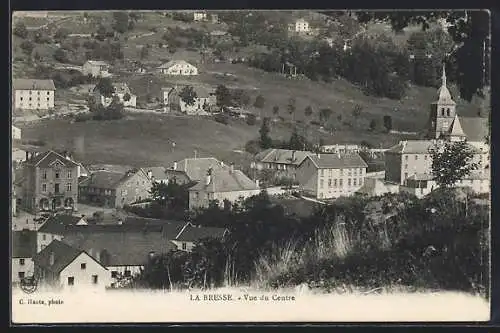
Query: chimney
[(208, 180), (51, 259), (175, 165), (150, 174), (222, 164)]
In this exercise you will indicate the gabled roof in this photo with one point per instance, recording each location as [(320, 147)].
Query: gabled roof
[(475, 128), (156, 172), (33, 84), (175, 62), (57, 224), (337, 161), (121, 248), (223, 180), (196, 168), (193, 234), (23, 244), (282, 156), (420, 147), (49, 158), (63, 253), (456, 128), (107, 179)]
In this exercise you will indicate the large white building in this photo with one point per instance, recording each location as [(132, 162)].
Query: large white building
[(178, 67), (33, 94), (327, 176)]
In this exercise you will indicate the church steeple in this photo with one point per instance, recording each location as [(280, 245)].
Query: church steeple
[(442, 110), (443, 76)]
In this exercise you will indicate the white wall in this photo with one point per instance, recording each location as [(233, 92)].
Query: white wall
[(180, 69), (83, 277), (202, 199), (106, 101), (189, 245), (40, 99), (28, 268)]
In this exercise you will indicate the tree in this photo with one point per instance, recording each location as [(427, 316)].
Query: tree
[(291, 107), (451, 162), (308, 111), (144, 53), (223, 96), (127, 97), (259, 102), (324, 115), (20, 30), (356, 111), (373, 124), (27, 47), (171, 195), (251, 119), (298, 142), (61, 55), (240, 97), (120, 22), (388, 123), (470, 31), (188, 95), (276, 110), (105, 87), (61, 34), (265, 139)]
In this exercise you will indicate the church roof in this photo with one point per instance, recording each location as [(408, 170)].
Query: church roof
[(444, 95), (474, 128), (456, 128)]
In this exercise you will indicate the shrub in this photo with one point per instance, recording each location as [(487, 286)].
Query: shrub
[(221, 118)]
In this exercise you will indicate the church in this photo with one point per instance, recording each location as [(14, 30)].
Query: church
[(409, 163)]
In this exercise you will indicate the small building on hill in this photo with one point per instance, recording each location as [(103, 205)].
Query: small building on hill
[(178, 67), (204, 101), (96, 68), (121, 91)]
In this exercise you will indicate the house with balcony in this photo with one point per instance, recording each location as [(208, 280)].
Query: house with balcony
[(49, 182), (114, 189)]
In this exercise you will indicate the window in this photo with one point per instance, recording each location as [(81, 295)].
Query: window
[(21, 98), (448, 112), (83, 265), (71, 280), (68, 187), (329, 183), (69, 173), (416, 157), (349, 182), (56, 188), (44, 236), (425, 157), (335, 183), (44, 175), (57, 175), (442, 112), (21, 261), (48, 99), (95, 279), (406, 166), (341, 172), (30, 98), (354, 182), (114, 274), (184, 246), (321, 172), (321, 183), (341, 182), (406, 175), (38, 92), (48, 93), (360, 181), (406, 157), (44, 187), (349, 172), (21, 275), (127, 273)]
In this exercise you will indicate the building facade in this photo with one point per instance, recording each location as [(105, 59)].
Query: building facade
[(122, 92), (203, 102), (114, 189), (282, 162), (31, 94), (178, 67), (192, 170), (50, 183), (327, 176), (16, 133), (96, 68), (23, 251), (300, 26)]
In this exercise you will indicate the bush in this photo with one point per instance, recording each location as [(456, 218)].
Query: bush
[(82, 117), (221, 118), (251, 120), (252, 147)]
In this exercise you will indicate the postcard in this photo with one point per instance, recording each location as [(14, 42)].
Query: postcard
[(233, 166)]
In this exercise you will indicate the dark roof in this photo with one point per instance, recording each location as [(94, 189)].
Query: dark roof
[(156, 172), (196, 168), (23, 244), (46, 159), (64, 254), (337, 161), (420, 147), (57, 224), (475, 128), (224, 180), (282, 156), (192, 233), (104, 179), (122, 248), (33, 84)]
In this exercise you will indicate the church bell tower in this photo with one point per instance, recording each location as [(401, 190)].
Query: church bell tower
[(442, 111)]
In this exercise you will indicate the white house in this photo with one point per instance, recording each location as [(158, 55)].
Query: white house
[(327, 176), (16, 133), (199, 16), (23, 251), (33, 94), (96, 68), (222, 184), (204, 101), (122, 91), (190, 234), (64, 267), (340, 148), (300, 25), (178, 67)]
